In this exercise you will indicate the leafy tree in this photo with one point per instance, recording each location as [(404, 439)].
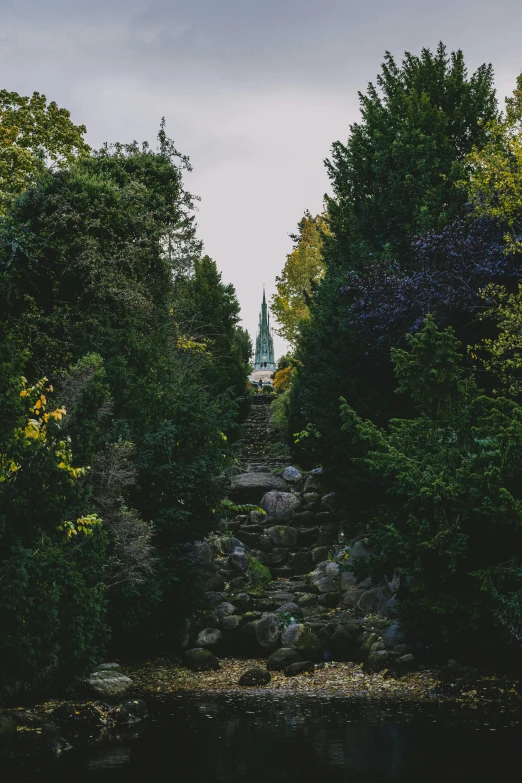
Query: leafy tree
[(501, 355), (53, 549), (303, 266), (210, 313), (33, 135), (89, 275), (396, 176), (448, 510), (495, 187)]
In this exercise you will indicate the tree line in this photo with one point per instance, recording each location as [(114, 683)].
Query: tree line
[(402, 303), (123, 376)]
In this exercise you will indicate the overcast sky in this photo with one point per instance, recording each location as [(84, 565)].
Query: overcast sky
[(254, 91)]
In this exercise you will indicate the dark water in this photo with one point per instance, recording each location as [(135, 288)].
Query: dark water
[(270, 739)]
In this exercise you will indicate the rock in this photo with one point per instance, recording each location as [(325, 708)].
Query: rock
[(403, 664), (238, 582), (300, 667), (76, 718), (265, 544), (108, 684), (292, 475), (255, 517), (214, 582), (283, 535), (319, 554), (243, 601), (307, 599), (210, 638), (330, 600), (348, 580), (238, 559), (365, 645), (231, 622), (401, 649), (250, 487), (376, 661), (201, 660), (230, 543), (330, 502), (109, 667), (283, 657), (280, 506), (303, 640), (254, 677), (351, 598), (307, 536), (326, 577), (249, 539), (393, 635), (342, 644), (276, 557), (225, 609), (203, 552), (261, 469), (373, 601), (314, 482), (267, 631), (312, 498), (213, 599), (131, 712), (301, 562), (303, 519)]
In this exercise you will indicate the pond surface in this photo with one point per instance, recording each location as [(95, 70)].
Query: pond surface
[(267, 739)]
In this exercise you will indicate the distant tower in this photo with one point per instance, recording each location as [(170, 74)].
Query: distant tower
[(264, 364)]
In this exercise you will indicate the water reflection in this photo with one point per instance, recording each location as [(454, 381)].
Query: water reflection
[(285, 740)]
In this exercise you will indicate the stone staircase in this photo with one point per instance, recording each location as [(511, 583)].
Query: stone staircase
[(306, 601), (259, 446)]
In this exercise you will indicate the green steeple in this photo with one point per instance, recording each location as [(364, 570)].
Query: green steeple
[(265, 359)]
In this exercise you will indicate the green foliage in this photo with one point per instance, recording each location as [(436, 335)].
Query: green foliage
[(240, 508), (396, 176), (447, 514), (495, 184), (303, 267), (258, 574), (501, 355), (101, 273), (33, 135)]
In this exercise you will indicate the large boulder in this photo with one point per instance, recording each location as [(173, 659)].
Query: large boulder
[(342, 644), (108, 684), (314, 482), (292, 475), (302, 562), (282, 658), (238, 559), (298, 636), (225, 609), (280, 506), (267, 631), (377, 661), (201, 660), (254, 677), (373, 601), (210, 638), (250, 487), (327, 577), (283, 535), (300, 667)]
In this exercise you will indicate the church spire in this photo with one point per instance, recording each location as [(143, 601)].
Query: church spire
[(265, 359)]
